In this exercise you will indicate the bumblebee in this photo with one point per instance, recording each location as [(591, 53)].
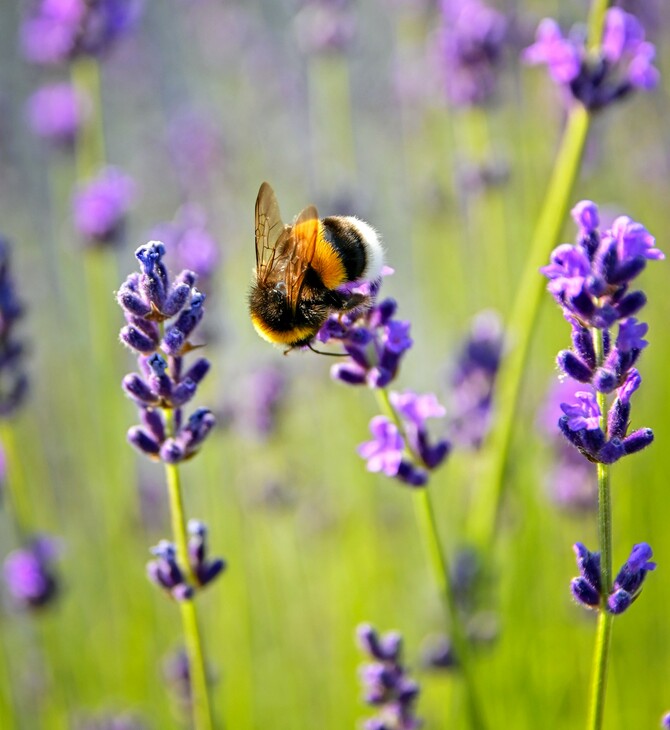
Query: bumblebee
[(301, 269)]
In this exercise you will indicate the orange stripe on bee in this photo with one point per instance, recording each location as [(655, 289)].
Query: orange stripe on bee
[(327, 262)]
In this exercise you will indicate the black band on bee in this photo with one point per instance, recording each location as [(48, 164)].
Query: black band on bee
[(349, 243)]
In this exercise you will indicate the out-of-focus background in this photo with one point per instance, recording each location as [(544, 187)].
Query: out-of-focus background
[(345, 105)]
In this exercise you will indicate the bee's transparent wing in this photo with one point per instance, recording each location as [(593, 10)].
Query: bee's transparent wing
[(300, 252), (271, 233)]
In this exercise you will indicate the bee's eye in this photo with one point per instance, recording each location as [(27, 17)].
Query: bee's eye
[(280, 287)]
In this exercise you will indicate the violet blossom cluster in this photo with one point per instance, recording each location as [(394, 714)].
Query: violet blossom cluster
[(473, 379), (29, 573), (586, 588), (386, 683), (591, 281), (56, 113), (375, 343), (13, 378), (166, 572), (190, 243), (471, 42), (623, 63), (164, 385), (100, 207), (58, 31)]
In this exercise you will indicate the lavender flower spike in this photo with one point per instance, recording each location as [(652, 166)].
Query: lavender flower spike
[(164, 384), (627, 585), (623, 63), (29, 574), (385, 681)]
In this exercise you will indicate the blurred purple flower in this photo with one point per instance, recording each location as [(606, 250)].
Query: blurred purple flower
[(624, 61), (29, 573), (189, 243), (385, 452), (56, 113), (195, 145), (324, 26), (101, 206), (13, 378), (56, 31), (386, 683), (471, 41), (473, 380), (258, 400)]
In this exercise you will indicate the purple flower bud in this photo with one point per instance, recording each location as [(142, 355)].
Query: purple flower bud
[(142, 441), (100, 208), (137, 389), (29, 573), (585, 215), (136, 340), (637, 440), (574, 367), (619, 601), (56, 113), (385, 452), (583, 415)]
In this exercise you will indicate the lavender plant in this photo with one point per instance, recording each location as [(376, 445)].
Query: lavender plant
[(161, 390), (606, 64), (591, 281), (375, 343), (386, 682)]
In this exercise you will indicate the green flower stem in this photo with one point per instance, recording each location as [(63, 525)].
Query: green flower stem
[(527, 303), (90, 148), (17, 486), (202, 712), (437, 557), (522, 324), (596, 23), (600, 663), (605, 619)]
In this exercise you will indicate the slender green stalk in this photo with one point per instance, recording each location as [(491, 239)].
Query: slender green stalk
[(17, 486), (600, 663), (90, 149), (522, 324), (605, 619), (202, 711), (437, 558), (527, 303)]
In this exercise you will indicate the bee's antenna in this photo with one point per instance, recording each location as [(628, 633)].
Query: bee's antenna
[(328, 354)]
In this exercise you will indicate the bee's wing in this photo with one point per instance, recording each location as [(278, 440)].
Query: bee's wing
[(271, 232), (300, 252)]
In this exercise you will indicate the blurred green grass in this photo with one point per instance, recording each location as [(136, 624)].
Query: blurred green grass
[(279, 624)]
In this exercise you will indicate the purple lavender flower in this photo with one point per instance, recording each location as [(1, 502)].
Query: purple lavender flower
[(165, 572), (163, 385), (624, 62), (325, 26), (373, 339), (189, 242), (471, 40), (56, 113), (473, 380), (665, 721), (13, 379), (386, 683), (586, 588), (193, 141), (204, 570), (100, 208), (261, 395), (385, 452), (570, 481), (29, 573), (591, 281), (56, 31)]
